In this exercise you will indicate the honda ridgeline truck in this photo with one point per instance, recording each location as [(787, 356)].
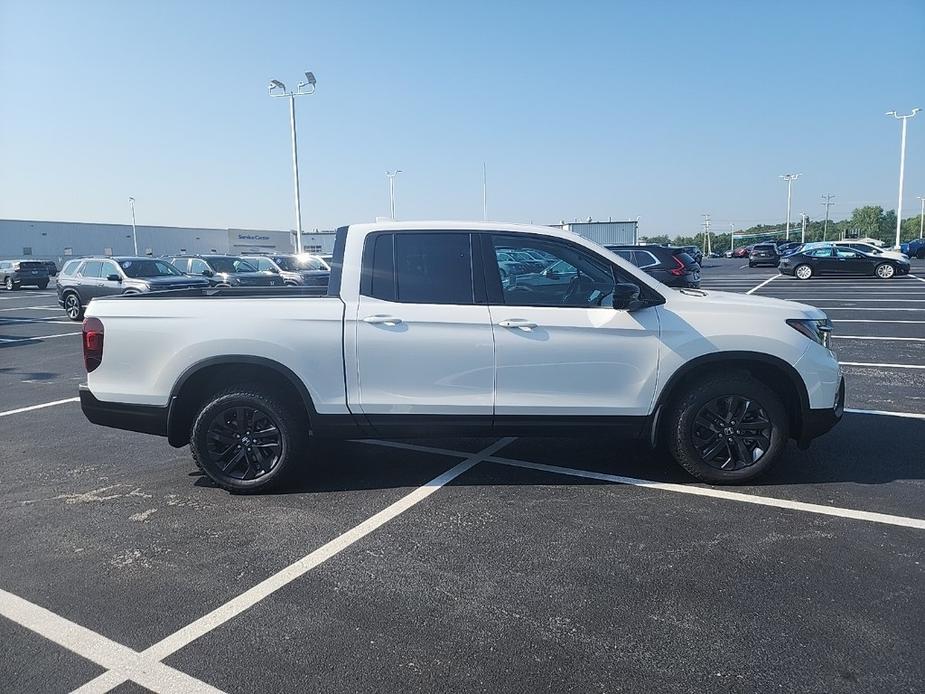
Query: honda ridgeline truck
[(418, 334)]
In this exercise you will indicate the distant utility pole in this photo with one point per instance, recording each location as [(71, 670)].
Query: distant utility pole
[(921, 215), (391, 176), (706, 233), (484, 192), (902, 167), (131, 202), (827, 204), (277, 88), (803, 235), (790, 178)]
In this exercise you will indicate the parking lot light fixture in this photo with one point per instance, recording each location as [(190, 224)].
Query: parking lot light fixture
[(131, 202), (277, 88), (902, 167), (391, 176), (790, 178)]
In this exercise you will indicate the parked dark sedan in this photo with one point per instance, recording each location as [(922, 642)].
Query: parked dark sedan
[(226, 271), (23, 273), (296, 270), (838, 260), (764, 254), (670, 265), (82, 280)]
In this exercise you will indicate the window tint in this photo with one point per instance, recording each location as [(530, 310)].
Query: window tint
[(382, 268), (820, 252), (628, 255), (846, 253), (645, 258), (197, 266), (91, 268), (433, 268), (577, 277)]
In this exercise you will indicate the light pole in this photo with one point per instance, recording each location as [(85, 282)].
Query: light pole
[(732, 239), (921, 215), (803, 234), (277, 88), (902, 167), (828, 203), (391, 176), (790, 178), (131, 202), (484, 192)]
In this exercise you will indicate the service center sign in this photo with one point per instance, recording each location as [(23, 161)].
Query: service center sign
[(258, 240)]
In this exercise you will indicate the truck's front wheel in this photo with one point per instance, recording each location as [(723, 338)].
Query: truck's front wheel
[(247, 440), (727, 429)]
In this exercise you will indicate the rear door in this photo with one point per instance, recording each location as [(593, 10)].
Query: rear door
[(423, 333), (562, 349), (88, 285), (851, 262)]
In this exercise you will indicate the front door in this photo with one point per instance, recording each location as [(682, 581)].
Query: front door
[(560, 346), (424, 350)]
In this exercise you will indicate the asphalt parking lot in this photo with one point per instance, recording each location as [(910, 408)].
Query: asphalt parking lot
[(470, 565)]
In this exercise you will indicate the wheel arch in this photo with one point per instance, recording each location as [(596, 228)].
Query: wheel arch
[(206, 376), (772, 371)]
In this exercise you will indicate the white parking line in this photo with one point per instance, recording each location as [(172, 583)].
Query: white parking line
[(769, 279), (7, 413), (903, 521), (32, 308), (878, 337), (98, 649), (867, 308), (916, 277), (887, 413), (883, 366), (13, 320), (37, 337), (249, 598)]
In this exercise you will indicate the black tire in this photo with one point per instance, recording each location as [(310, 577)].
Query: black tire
[(920, 254), (690, 442), (10, 285), (751, 265), (73, 307), (259, 462)]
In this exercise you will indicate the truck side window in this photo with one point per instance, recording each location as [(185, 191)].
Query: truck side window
[(419, 268), (570, 276)]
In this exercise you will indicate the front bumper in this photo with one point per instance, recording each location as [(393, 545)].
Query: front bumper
[(146, 419), (817, 422)]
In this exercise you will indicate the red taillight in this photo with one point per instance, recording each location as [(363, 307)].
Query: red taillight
[(93, 343), (678, 271)]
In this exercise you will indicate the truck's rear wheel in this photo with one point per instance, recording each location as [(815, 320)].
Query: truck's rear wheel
[(247, 440), (727, 429)]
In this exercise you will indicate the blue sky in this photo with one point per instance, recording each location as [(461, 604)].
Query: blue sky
[(662, 110)]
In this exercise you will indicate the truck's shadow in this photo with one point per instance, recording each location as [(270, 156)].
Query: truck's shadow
[(863, 449)]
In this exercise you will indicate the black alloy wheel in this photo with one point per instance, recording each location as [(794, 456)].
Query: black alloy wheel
[(72, 306), (244, 442), (731, 432)]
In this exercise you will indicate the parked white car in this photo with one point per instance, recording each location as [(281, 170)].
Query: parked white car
[(871, 249), (417, 336)]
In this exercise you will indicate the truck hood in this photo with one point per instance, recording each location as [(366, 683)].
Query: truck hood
[(730, 303)]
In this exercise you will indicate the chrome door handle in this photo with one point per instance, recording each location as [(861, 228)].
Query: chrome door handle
[(382, 320), (518, 323)]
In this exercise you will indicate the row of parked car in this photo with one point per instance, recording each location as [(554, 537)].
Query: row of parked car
[(26, 273), (806, 260), (83, 279)]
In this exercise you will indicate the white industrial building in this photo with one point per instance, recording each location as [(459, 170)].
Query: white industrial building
[(609, 232), (25, 238)]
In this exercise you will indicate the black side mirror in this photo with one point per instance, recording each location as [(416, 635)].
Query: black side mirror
[(625, 296), (113, 278), (207, 273)]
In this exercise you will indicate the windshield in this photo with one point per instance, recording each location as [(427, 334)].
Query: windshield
[(148, 268), (230, 265), (292, 263)]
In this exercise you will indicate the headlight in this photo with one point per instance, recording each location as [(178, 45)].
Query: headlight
[(817, 330)]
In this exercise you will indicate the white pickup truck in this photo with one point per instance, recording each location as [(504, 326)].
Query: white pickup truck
[(420, 335)]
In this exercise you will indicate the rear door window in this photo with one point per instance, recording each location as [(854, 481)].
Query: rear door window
[(91, 269), (419, 268)]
